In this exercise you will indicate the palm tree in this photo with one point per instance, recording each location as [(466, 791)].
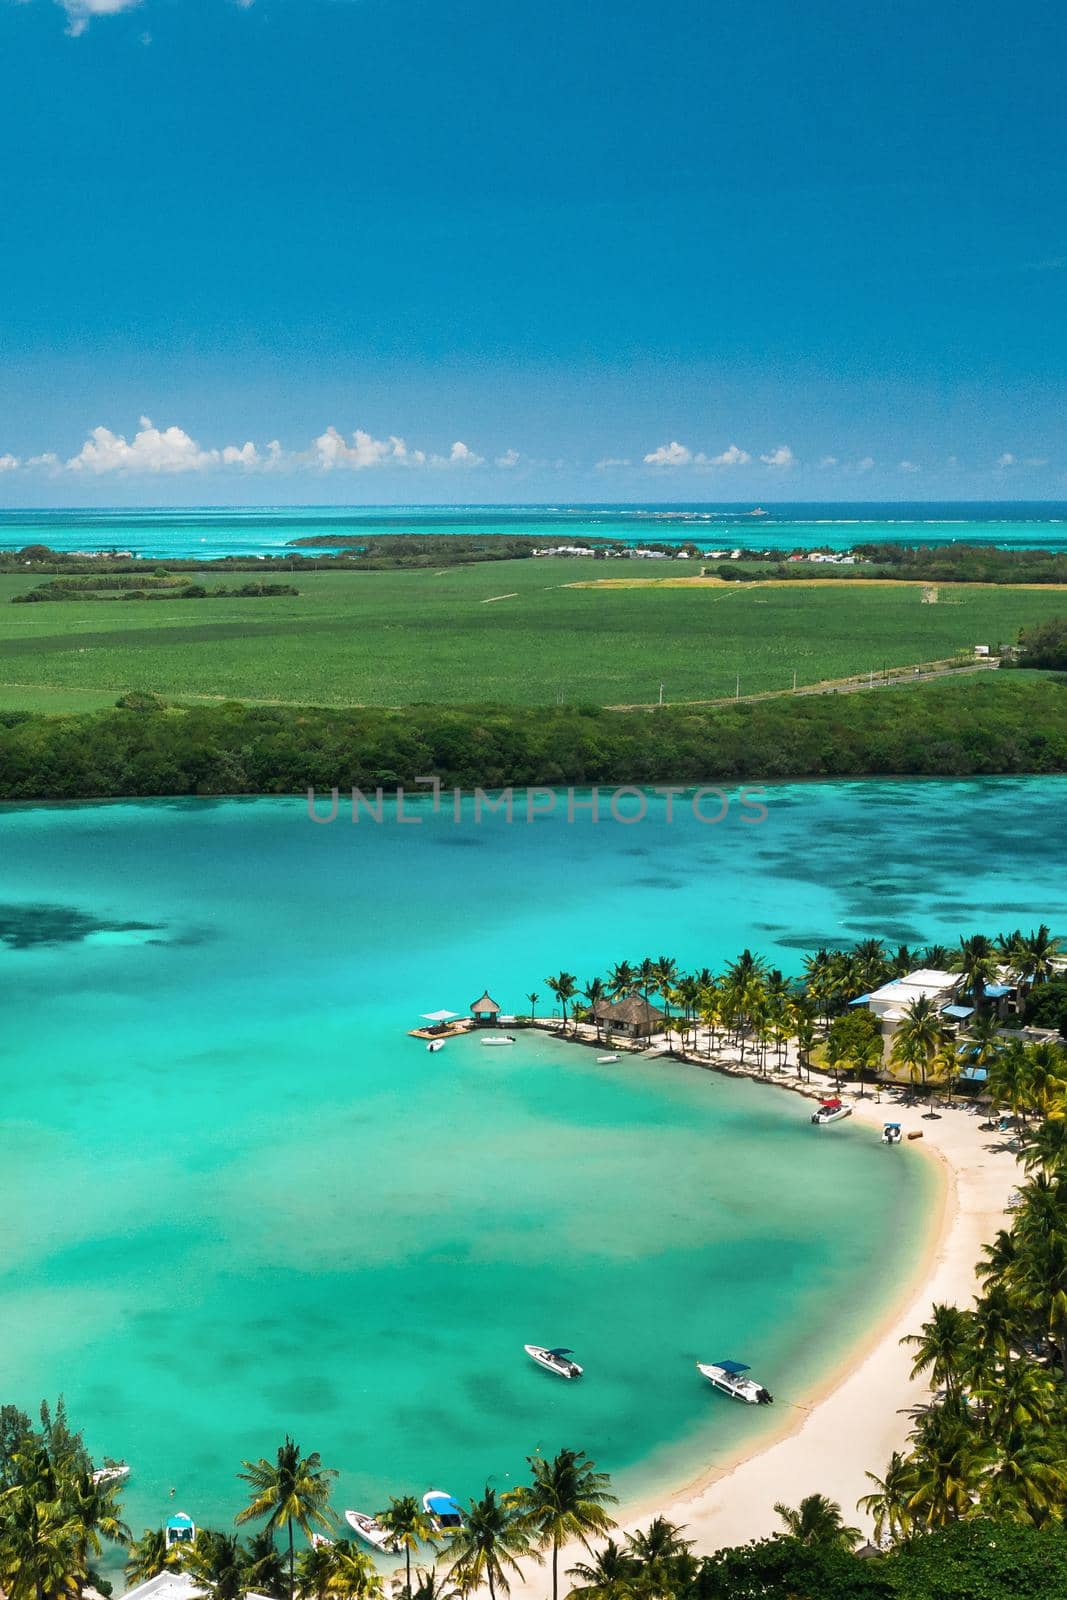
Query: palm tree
[(428, 1586), (564, 987), (888, 1501), (665, 976), (645, 977), (659, 1551), (217, 1562), (489, 1543), (408, 1527), (817, 1520), (976, 960), (943, 1346), (314, 1569), (950, 1461), (611, 1575), (916, 1040), (1034, 956), (97, 1509), (533, 999), (264, 1567), (354, 1575), (564, 1501), (293, 1490), (596, 994), (41, 1553), (148, 1556), (622, 981), (1048, 1147)]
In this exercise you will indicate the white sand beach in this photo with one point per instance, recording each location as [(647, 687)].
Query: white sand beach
[(851, 1424)]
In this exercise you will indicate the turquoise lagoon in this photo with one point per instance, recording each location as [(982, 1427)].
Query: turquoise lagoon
[(236, 1198)]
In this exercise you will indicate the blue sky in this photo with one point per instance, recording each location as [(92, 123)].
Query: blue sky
[(364, 251)]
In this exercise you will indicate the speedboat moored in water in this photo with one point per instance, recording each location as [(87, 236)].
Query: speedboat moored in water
[(726, 1377), (180, 1530), (891, 1133), (830, 1111), (443, 1512), (111, 1472), (602, 1061), (368, 1528), (557, 1361), (499, 1038), (435, 1044)]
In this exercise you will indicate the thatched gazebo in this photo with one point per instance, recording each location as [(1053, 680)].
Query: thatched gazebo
[(485, 1011)]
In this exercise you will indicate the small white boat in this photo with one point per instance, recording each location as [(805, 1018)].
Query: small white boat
[(726, 1376), (180, 1529), (891, 1133), (498, 1038), (368, 1528), (435, 1044), (557, 1361), (443, 1512), (602, 1061), (319, 1541), (113, 1472), (830, 1111)]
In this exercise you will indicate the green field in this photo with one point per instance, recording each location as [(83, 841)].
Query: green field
[(391, 638)]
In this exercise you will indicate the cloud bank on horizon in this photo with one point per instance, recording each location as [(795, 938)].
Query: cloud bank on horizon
[(152, 451)]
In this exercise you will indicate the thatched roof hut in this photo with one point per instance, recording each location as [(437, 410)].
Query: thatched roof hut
[(485, 1009), (632, 1015)]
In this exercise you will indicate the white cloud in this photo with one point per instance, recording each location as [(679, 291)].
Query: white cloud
[(48, 460), (780, 457), (612, 461), (669, 455), (9, 463), (1036, 461), (151, 450), (828, 461), (865, 464), (732, 456), (245, 455), (1006, 460), (910, 466), (461, 455), (510, 458), (81, 12), (331, 450)]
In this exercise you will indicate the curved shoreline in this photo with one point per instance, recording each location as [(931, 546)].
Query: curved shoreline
[(852, 1419)]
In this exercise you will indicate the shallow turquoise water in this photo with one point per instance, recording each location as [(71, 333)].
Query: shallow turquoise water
[(236, 1198), (207, 533)]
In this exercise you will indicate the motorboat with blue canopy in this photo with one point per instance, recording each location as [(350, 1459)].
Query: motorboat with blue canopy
[(728, 1377), (443, 1512)]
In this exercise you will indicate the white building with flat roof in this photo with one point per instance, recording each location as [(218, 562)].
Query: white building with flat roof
[(891, 1001), (174, 1586)]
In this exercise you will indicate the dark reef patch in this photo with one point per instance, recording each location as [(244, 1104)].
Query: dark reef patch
[(26, 927)]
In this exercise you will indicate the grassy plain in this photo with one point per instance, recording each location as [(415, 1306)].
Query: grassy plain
[(513, 632)]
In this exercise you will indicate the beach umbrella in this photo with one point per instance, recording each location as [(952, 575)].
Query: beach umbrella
[(439, 1016)]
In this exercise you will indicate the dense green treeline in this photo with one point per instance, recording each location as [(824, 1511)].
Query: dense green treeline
[(995, 724), (78, 589)]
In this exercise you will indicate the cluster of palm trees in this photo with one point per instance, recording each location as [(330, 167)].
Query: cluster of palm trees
[(55, 1513), (750, 1003), (753, 1007), (564, 1502), (993, 1441)]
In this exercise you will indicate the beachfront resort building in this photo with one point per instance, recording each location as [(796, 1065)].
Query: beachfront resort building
[(633, 1018), (890, 1002), (174, 1586)]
